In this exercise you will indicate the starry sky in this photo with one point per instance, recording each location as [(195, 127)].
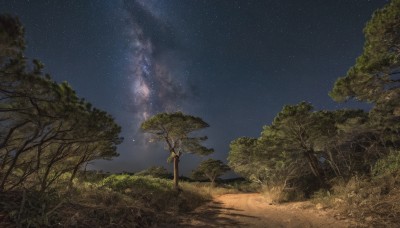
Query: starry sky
[(234, 63)]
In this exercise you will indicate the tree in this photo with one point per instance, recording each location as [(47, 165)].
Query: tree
[(375, 75), (12, 42), (299, 132), (46, 130), (303, 149), (174, 129), (242, 158), (210, 169), (263, 161)]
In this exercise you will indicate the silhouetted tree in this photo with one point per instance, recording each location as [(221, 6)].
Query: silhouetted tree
[(174, 129), (46, 129)]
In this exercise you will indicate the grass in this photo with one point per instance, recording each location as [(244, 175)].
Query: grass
[(206, 189), (370, 201), (114, 201)]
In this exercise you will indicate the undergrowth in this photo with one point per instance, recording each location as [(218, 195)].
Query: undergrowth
[(115, 201), (370, 201)]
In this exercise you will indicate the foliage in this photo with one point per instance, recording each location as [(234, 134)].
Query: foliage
[(366, 147), (241, 155), (374, 76), (12, 42), (47, 134), (302, 150), (387, 165), (174, 129), (155, 171), (158, 193), (121, 182), (118, 200), (209, 190), (46, 129), (295, 137), (371, 202), (211, 169)]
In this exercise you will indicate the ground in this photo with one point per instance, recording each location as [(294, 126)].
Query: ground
[(255, 210)]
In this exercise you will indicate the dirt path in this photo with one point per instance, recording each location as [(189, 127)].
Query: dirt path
[(253, 210)]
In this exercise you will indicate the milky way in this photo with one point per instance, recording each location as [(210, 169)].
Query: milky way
[(246, 58), (157, 79)]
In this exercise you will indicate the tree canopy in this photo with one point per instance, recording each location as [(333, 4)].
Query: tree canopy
[(175, 130), (303, 145), (375, 75), (211, 169), (375, 78), (46, 129), (300, 147)]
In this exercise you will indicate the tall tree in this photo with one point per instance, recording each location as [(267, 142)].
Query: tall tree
[(375, 77), (175, 130)]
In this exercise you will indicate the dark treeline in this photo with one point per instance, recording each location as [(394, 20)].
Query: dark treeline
[(46, 130), (304, 150)]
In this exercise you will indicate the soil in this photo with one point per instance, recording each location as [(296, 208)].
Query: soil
[(254, 210)]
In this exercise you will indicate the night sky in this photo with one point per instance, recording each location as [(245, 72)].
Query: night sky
[(233, 63)]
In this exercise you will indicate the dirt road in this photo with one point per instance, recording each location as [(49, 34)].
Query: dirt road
[(254, 210)]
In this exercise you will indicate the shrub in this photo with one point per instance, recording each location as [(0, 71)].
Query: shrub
[(387, 165)]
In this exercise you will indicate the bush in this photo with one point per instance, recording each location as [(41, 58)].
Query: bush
[(156, 171), (145, 183), (387, 165), (278, 194), (374, 202)]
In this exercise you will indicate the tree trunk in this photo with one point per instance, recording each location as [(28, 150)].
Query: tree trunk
[(71, 179), (213, 183), (211, 178), (75, 170), (176, 172), (315, 168)]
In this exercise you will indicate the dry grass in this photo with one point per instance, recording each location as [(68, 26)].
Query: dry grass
[(207, 190), (116, 201), (274, 194), (372, 202), (279, 194)]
